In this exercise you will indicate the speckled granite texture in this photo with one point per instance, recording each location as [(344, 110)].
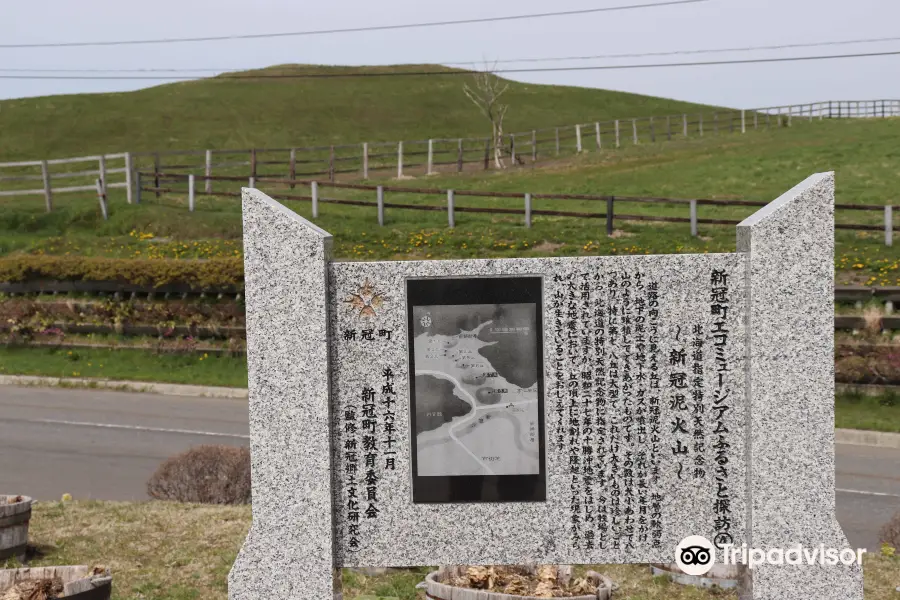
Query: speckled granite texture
[(289, 551), (790, 247), (303, 342), (404, 533)]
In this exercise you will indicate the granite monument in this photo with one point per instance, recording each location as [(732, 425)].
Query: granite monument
[(541, 410)]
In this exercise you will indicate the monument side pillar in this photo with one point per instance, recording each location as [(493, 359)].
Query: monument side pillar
[(289, 551), (790, 387)]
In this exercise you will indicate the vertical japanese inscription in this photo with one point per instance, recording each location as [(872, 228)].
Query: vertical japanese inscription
[(600, 412), (655, 415), (642, 426), (351, 464), (389, 425), (720, 302), (370, 448), (573, 319)]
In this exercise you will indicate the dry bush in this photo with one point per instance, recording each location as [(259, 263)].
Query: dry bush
[(890, 533), (873, 319), (205, 474)]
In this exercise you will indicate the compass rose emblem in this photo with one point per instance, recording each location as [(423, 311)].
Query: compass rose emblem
[(366, 302)]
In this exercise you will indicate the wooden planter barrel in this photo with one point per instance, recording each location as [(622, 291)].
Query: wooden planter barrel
[(435, 590), (721, 576), (14, 518), (80, 582)]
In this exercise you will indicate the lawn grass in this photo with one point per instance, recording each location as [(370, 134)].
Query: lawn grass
[(855, 410), (759, 165), (128, 365), (218, 113), (852, 410), (172, 551)]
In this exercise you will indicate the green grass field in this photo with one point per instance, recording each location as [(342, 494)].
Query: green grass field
[(758, 165), (219, 113)]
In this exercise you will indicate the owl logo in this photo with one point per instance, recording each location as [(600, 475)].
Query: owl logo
[(366, 302)]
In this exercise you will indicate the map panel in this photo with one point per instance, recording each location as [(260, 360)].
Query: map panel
[(476, 396)]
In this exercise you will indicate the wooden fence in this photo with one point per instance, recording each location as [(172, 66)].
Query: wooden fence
[(449, 206), (417, 157), (519, 149), (84, 174)]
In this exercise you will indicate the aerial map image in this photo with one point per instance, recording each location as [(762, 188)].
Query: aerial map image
[(476, 389)]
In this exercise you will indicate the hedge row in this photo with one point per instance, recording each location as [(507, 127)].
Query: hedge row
[(207, 273)]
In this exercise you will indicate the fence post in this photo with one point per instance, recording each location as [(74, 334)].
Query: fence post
[(533, 146), (365, 160), (430, 157), (208, 172), (459, 155), (129, 171), (652, 131), (810, 113), (191, 192), (293, 172), (451, 222), (399, 160), (512, 148), (669, 127), (694, 218), (700, 124), (755, 119), (331, 164), (609, 214), (156, 173), (527, 210), (101, 196), (102, 170), (634, 135), (889, 225), (597, 131), (790, 114), (487, 154), (314, 192), (617, 133), (48, 193), (743, 121), (381, 205), (578, 139), (252, 182), (557, 141), (684, 125), (253, 167), (137, 190)]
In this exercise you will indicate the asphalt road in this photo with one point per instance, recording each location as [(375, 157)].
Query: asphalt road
[(105, 445)]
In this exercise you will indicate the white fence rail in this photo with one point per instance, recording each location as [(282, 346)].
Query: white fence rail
[(414, 157)]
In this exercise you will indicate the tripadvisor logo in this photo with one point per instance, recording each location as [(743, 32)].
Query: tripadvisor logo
[(695, 555)]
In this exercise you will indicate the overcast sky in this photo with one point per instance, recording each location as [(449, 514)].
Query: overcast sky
[(707, 25)]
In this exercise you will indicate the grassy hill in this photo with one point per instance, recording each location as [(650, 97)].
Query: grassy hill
[(222, 113), (758, 165)]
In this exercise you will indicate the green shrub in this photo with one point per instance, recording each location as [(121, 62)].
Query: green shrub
[(209, 273)]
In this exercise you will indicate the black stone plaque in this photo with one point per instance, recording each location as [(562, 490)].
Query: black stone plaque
[(476, 389)]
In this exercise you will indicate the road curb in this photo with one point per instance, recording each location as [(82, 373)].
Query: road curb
[(166, 389), (860, 437)]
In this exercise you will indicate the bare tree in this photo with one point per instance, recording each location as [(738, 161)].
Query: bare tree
[(485, 94)]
